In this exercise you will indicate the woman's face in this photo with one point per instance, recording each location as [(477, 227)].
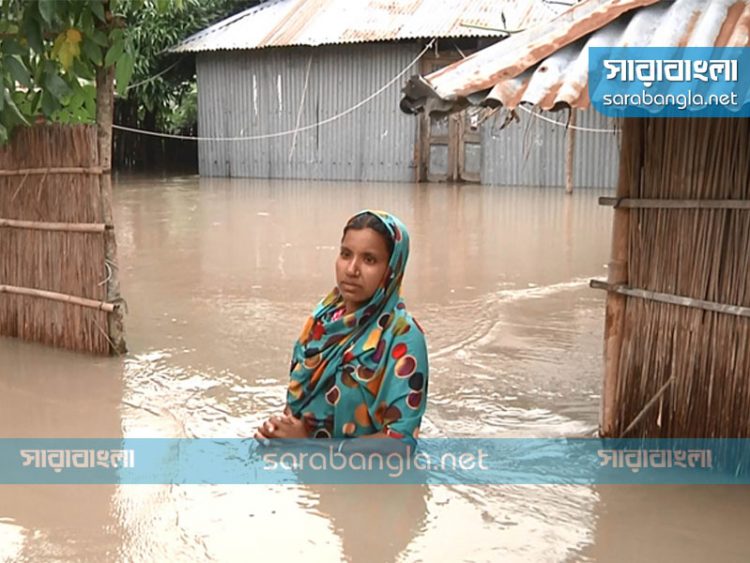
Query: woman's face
[(360, 266)]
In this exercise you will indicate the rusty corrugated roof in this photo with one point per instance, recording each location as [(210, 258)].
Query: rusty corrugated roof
[(280, 23), (547, 66)]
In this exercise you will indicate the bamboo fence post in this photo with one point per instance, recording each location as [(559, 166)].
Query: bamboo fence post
[(59, 170), (705, 204), (104, 115), (59, 297), (47, 226), (670, 299), (570, 152), (629, 177)]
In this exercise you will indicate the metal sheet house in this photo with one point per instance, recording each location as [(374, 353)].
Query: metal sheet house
[(309, 89), (677, 328)]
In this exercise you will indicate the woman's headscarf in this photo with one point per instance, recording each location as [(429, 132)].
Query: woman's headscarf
[(366, 371)]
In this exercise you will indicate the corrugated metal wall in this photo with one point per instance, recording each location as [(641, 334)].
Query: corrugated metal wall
[(531, 152), (244, 93)]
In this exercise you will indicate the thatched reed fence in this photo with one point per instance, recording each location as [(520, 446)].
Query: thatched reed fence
[(58, 266), (677, 335)]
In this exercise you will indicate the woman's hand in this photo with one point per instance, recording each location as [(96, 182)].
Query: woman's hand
[(284, 426)]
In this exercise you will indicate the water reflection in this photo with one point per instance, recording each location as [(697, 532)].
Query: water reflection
[(691, 524), (50, 393), (219, 276), (374, 523)]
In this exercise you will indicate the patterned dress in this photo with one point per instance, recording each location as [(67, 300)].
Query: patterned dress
[(363, 372)]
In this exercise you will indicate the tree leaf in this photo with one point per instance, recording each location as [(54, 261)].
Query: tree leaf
[(66, 57), (75, 102), (12, 47), (97, 6), (100, 38), (63, 9), (24, 105), (47, 10), (87, 22), (8, 27), (49, 104), (34, 104), (17, 70), (58, 44), (82, 70), (92, 51), (76, 10), (56, 86), (116, 35), (117, 5), (12, 109), (32, 30), (90, 106), (90, 91), (89, 97), (72, 52), (124, 72), (3, 134), (73, 36), (114, 53)]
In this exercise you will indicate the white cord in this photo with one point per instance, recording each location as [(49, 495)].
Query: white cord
[(282, 133), (565, 125), (154, 77)]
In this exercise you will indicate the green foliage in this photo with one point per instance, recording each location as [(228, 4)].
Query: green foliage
[(162, 83), (183, 116), (50, 51)]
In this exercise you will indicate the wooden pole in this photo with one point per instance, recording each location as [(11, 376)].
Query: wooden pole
[(638, 203), (62, 170), (648, 406), (105, 78), (104, 116), (628, 180), (681, 301), (60, 297), (570, 151), (64, 227)]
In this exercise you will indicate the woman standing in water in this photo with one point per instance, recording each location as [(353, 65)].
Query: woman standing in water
[(359, 368)]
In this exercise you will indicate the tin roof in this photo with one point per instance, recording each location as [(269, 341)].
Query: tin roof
[(279, 23), (547, 65)]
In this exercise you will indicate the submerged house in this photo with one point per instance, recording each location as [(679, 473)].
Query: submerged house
[(309, 89), (677, 330)]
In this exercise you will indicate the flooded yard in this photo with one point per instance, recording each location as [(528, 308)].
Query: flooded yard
[(219, 276)]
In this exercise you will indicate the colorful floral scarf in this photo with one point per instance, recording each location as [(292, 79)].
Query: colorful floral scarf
[(366, 371)]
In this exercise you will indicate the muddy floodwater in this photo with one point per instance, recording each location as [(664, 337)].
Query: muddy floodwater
[(219, 276)]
